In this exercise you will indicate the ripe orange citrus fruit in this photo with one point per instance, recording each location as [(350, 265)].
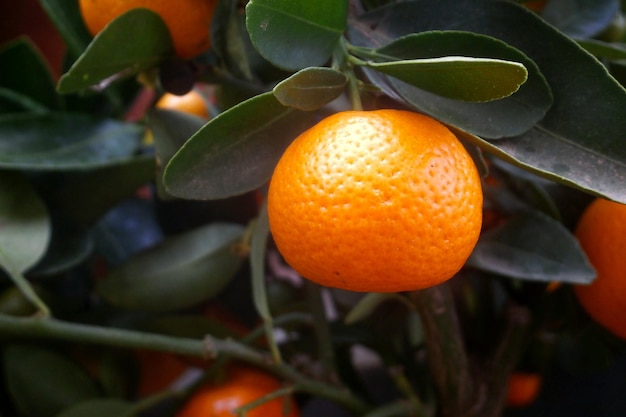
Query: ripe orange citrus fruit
[(192, 103), (241, 387), (383, 201), (187, 20), (523, 389), (601, 232)]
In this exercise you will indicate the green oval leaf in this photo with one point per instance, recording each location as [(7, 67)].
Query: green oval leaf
[(105, 407), (458, 78), (236, 151), (296, 34), (61, 141), (179, 272), (533, 247), (42, 382), (24, 224), (311, 88), (494, 119), (129, 44)]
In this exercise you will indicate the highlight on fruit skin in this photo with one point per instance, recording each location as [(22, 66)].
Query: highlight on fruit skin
[(378, 201), (601, 231)]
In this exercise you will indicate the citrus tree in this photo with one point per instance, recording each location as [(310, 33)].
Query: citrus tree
[(419, 254)]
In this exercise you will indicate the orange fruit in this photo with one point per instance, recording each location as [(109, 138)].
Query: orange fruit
[(158, 371), (383, 201), (187, 20), (241, 387), (523, 389), (601, 231), (192, 103)]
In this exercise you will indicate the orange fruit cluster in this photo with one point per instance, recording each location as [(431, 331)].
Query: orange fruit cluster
[(382, 201), (187, 20), (601, 231)]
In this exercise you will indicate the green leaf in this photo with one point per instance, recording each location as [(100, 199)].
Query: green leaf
[(170, 131), (505, 117), (580, 140), (533, 247), (236, 151), (65, 141), (602, 49), (24, 223), (580, 18), (311, 88), (459, 78), (296, 34), (104, 407), (43, 382), (25, 72), (180, 272), (65, 14), (131, 43), (12, 101)]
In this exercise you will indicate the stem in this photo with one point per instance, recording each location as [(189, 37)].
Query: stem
[(508, 353), (322, 331), (284, 392), (447, 356), (403, 384), (53, 329)]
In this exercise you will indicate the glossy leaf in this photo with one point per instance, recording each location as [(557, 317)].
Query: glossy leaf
[(579, 141), (533, 247), (310, 88), (12, 101), (296, 34), (236, 151), (458, 78), (131, 43), (24, 224), (25, 72), (580, 18), (505, 117), (105, 407), (62, 141), (603, 49), (179, 272), (43, 382)]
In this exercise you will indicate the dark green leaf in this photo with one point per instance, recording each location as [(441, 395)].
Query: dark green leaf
[(258, 254), (236, 151), (458, 78), (296, 34), (63, 188), (311, 88), (170, 131), (603, 49), (580, 18), (504, 117), (66, 17), (179, 272), (105, 407), (12, 101), (131, 43), (580, 140), (25, 72), (65, 141), (533, 247), (42, 382), (24, 223)]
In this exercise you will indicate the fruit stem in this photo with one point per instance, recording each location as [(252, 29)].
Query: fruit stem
[(27, 290), (445, 348), (342, 61), (283, 392)]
